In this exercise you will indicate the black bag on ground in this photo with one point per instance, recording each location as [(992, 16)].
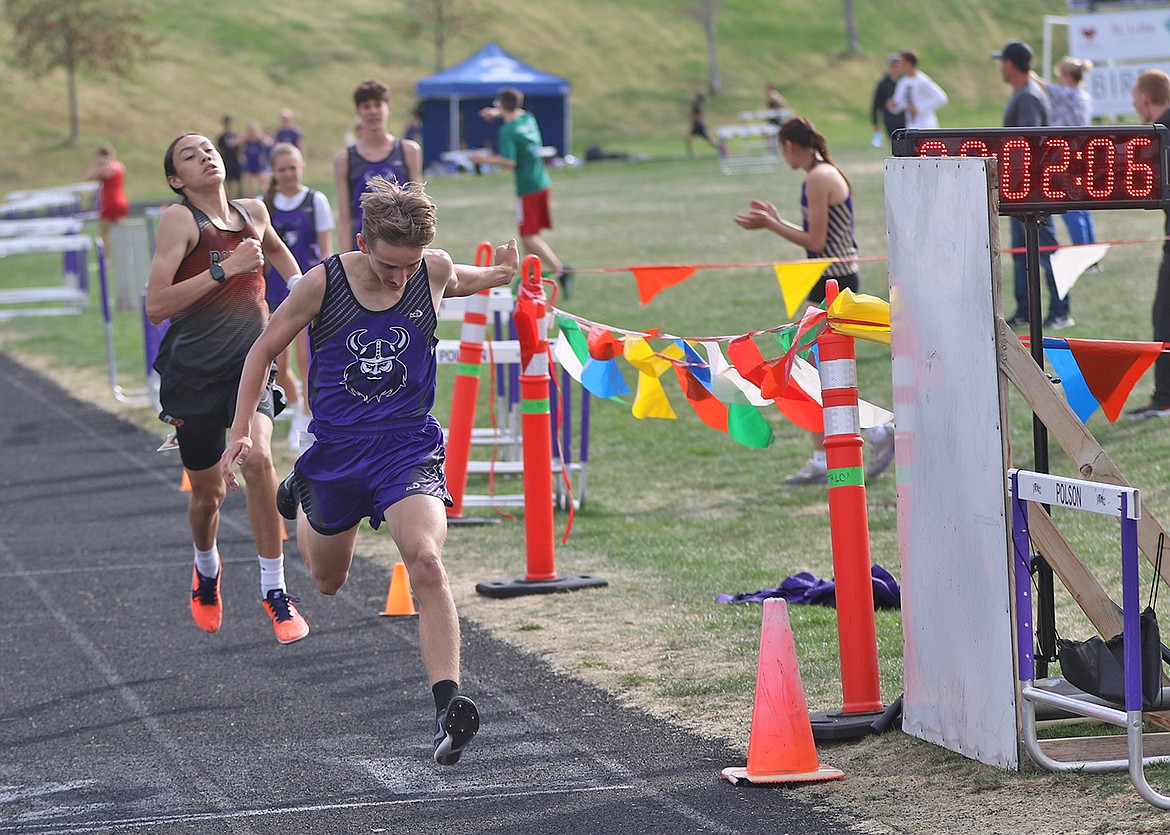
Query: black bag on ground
[(1098, 667)]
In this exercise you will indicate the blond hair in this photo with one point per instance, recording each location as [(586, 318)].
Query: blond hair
[(400, 215)]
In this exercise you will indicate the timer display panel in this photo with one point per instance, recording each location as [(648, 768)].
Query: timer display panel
[(1049, 170)]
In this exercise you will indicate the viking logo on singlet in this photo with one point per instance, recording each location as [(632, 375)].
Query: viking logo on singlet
[(376, 371)]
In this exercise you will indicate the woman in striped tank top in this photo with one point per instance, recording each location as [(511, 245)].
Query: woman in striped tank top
[(826, 231)]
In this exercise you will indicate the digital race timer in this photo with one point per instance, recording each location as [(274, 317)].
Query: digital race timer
[(1049, 170)]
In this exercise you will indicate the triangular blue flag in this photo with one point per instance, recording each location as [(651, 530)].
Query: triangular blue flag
[(603, 378), (1076, 390), (697, 365)]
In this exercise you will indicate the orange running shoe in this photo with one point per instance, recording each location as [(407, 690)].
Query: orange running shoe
[(206, 604), (286, 620)]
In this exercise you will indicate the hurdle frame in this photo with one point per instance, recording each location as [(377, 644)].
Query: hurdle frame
[(501, 357), (1124, 504)]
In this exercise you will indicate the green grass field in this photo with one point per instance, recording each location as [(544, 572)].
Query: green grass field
[(677, 512)]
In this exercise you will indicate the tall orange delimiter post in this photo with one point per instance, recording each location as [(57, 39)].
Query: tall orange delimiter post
[(849, 524), (535, 423), (531, 322), (465, 397)]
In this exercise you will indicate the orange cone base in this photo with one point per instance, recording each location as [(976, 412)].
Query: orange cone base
[(841, 725), (741, 775), (520, 586)]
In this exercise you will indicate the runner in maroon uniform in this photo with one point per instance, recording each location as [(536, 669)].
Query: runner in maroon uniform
[(207, 278)]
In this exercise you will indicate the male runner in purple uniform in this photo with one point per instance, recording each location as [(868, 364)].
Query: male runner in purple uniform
[(378, 453), (377, 153), (207, 277)]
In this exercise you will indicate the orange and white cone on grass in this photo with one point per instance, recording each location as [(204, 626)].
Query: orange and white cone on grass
[(398, 600), (781, 747)]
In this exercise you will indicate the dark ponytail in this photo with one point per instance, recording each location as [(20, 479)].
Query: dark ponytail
[(800, 131)]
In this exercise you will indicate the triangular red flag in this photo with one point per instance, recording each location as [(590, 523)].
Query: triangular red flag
[(653, 280), (710, 410), (1111, 368), (602, 344), (801, 408), (748, 360), (794, 403)]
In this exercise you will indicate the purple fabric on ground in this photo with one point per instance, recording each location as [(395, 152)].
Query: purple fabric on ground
[(811, 589)]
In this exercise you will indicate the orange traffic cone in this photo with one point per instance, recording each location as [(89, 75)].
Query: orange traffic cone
[(398, 600), (283, 532), (781, 747), (185, 484)]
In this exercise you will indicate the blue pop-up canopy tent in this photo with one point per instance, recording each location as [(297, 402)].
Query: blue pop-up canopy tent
[(450, 102)]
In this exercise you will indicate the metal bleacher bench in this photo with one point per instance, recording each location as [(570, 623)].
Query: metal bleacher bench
[(751, 146)]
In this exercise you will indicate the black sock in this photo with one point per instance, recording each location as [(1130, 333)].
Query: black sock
[(444, 691)]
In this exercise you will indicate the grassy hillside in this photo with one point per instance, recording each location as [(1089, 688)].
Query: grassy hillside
[(632, 66)]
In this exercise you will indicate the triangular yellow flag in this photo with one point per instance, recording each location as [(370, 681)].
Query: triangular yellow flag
[(862, 316), (797, 278), (650, 401), (639, 354)]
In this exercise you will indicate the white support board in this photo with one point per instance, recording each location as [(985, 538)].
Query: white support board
[(89, 187), (959, 657), (45, 243), (498, 353), (499, 301), (40, 227)]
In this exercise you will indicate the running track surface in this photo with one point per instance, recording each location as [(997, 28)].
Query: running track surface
[(118, 715)]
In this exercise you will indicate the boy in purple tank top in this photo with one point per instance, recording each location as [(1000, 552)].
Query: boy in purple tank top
[(377, 153), (378, 453)]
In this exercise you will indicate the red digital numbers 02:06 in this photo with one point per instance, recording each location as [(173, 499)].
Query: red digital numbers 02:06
[(1059, 169)]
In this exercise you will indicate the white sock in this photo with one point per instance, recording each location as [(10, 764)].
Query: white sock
[(271, 574), (207, 562), (820, 459)]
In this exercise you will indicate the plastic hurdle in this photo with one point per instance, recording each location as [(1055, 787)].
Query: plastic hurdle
[(1124, 504), (569, 463)]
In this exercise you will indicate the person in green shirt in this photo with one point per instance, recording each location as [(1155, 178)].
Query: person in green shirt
[(519, 146)]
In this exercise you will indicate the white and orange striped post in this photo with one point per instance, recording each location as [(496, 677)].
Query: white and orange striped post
[(849, 525), (531, 320), (466, 395)]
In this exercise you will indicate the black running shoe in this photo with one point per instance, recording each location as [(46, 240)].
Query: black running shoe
[(565, 279), (287, 497), (455, 726)]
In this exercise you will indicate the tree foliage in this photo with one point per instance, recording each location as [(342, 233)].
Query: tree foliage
[(442, 20), (101, 37)]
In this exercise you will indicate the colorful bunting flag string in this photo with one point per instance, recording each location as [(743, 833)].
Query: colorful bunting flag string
[(725, 396), (796, 278)]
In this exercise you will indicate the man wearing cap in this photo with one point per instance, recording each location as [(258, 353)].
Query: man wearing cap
[(1151, 100), (882, 94), (1028, 107)]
